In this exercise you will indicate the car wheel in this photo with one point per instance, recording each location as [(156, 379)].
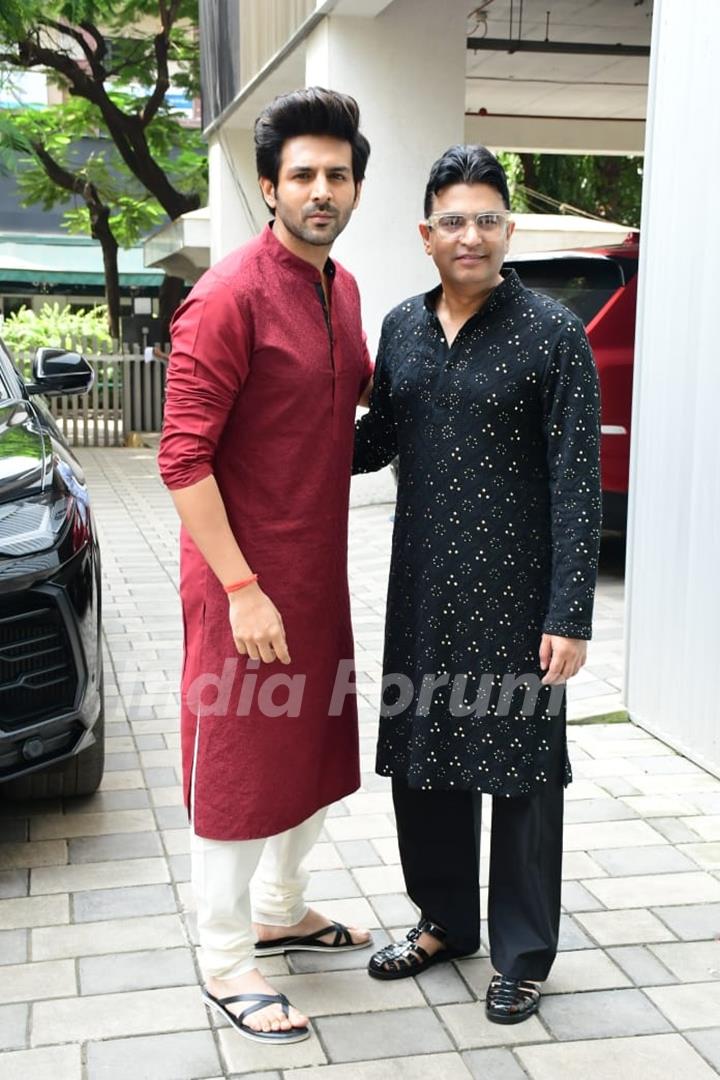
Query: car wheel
[(79, 775)]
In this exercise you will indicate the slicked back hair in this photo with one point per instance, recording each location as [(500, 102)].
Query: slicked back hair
[(310, 111), (466, 165)]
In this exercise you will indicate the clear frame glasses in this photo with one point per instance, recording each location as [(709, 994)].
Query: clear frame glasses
[(489, 223)]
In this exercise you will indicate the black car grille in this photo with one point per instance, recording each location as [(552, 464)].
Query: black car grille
[(37, 672)]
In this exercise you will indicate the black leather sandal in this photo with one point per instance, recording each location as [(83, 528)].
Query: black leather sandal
[(341, 942), (296, 1034), (510, 1001), (405, 958)]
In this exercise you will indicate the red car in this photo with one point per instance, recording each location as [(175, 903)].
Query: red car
[(599, 285)]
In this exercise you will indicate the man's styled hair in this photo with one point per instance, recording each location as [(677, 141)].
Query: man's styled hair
[(311, 111), (466, 165)]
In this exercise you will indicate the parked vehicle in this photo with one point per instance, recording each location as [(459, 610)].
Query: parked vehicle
[(51, 683), (599, 285)]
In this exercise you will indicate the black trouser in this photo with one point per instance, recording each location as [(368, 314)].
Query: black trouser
[(439, 838)]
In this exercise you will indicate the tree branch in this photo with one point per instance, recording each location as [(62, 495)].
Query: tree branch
[(98, 38), (162, 82), (71, 32)]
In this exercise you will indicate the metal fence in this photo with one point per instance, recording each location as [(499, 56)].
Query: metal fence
[(127, 395)]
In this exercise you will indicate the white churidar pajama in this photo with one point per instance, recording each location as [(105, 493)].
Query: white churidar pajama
[(227, 902)]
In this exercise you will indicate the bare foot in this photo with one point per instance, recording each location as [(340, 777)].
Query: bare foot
[(271, 1018), (312, 922)]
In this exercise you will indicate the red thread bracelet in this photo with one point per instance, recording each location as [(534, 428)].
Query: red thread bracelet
[(236, 585)]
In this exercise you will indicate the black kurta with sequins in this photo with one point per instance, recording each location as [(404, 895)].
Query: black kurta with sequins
[(496, 537)]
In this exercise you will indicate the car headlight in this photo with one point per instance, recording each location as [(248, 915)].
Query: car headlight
[(35, 524)]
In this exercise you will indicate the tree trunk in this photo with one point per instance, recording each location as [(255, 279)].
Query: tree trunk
[(100, 217), (169, 297)]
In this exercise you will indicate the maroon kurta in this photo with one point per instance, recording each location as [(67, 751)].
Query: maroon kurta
[(261, 394)]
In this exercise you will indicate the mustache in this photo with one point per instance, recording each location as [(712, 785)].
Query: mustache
[(330, 210)]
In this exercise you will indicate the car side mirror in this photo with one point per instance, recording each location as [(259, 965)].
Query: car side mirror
[(57, 371)]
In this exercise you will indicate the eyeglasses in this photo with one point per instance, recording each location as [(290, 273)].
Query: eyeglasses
[(489, 223)]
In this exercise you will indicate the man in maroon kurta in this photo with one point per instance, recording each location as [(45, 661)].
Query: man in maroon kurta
[(268, 364)]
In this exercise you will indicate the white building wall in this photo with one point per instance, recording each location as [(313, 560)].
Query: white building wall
[(406, 68), (673, 580)]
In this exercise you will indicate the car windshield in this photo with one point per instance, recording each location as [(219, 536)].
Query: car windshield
[(582, 284)]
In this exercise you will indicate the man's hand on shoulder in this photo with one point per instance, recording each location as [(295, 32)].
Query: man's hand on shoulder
[(257, 626), (561, 658)]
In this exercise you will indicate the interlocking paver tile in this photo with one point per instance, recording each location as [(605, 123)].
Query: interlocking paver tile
[(32, 982), (113, 935), (105, 1016), (48, 1063), (691, 961), (495, 1063), (13, 883), (651, 1057), (139, 900), (641, 965), (471, 1029), (692, 921), (13, 946), (391, 1033), (430, 1067), (654, 859), (30, 911), (690, 1005), (602, 1014), (148, 970), (708, 1043), (634, 926), (186, 1055), (94, 849), (651, 890), (78, 877), (13, 1026)]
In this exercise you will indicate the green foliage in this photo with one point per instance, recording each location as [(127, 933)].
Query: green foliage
[(604, 186), (513, 167), (63, 130), (56, 327)]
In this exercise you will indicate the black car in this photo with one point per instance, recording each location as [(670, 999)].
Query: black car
[(51, 684)]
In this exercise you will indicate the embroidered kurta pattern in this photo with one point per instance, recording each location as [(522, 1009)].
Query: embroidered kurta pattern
[(496, 536)]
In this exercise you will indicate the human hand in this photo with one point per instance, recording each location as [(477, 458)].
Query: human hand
[(561, 658), (257, 626)]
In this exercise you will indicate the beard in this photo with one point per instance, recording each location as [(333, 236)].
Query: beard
[(305, 230)]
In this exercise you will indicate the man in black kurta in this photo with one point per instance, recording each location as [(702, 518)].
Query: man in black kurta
[(487, 393)]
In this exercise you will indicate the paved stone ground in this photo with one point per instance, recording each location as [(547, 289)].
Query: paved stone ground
[(99, 979)]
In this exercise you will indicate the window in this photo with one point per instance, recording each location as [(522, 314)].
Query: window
[(580, 283)]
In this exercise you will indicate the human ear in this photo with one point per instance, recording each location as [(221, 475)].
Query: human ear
[(425, 235), (268, 191)]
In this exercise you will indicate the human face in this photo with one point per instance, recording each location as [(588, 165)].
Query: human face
[(315, 193), (470, 260)]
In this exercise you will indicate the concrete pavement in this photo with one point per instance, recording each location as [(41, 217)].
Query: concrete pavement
[(99, 977)]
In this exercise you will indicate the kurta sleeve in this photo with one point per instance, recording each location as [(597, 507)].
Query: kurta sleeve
[(375, 434), (571, 423), (368, 366), (209, 362)]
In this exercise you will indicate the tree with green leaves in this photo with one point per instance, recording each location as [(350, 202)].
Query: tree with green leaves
[(117, 74)]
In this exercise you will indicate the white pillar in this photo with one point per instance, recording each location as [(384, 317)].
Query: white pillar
[(406, 68), (238, 212), (673, 581)]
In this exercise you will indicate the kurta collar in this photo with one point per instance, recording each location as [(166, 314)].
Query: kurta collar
[(291, 261), (511, 286)]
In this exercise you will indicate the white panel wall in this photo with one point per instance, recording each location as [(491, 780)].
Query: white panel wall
[(406, 67), (673, 583)]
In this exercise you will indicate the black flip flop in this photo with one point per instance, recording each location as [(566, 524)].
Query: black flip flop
[(261, 1002), (342, 942)]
